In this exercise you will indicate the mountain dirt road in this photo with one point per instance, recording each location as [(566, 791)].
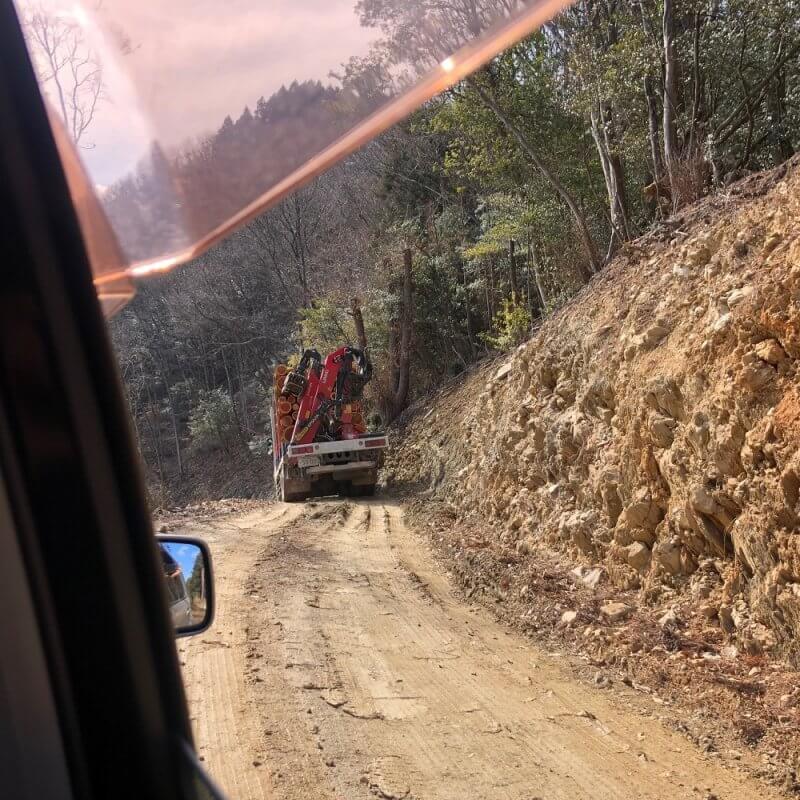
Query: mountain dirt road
[(343, 665)]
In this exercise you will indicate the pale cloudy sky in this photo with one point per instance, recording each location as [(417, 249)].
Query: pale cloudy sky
[(196, 61), (191, 63)]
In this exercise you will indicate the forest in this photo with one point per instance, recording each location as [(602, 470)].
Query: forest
[(455, 233)]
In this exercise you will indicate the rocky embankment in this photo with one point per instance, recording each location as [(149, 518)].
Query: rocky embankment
[(646, 444)]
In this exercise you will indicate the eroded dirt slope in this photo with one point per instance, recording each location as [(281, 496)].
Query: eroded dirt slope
[(343, 665), (647, 436)]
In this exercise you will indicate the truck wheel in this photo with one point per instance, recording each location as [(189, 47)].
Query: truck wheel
[(294, 497)]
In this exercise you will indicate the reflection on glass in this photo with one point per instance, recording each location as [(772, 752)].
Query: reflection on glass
[(191, 117), (185, 578)]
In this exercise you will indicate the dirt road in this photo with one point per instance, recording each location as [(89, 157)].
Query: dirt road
[(341, 665)]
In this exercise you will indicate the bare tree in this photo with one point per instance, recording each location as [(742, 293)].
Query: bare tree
[(67, 68), (671, 152), (358, 322), (402, 329)]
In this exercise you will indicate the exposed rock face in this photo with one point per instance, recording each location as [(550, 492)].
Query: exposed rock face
[(652, 426)]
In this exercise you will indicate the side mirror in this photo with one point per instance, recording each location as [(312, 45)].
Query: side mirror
[(189, 579)]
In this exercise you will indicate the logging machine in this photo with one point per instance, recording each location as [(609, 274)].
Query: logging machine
[(320, 441)]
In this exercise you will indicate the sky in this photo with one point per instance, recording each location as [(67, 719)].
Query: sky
[(185, 555), (193, 62), (190, 63)]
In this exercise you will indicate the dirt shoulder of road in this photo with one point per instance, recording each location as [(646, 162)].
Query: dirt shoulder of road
[(625, 485), (739, 709)]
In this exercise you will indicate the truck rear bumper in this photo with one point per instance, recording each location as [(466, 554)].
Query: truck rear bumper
[(352, 466), (341, 460), (355, 446)]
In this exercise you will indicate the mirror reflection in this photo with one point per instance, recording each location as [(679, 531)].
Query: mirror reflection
[(185, 574)]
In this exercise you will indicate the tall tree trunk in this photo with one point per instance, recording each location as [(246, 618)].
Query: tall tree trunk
[(358, 322), (401, 389), (394, 360), (671, 151), (470, 323), (538, 279), (580, 218), (512, 263), (535, 304), (750, 110), (528, 292), (153, 420), (242, 390), (776, 103), (653, 128), (173, 416), (613, 174), (232, 394), (491, 294), (620, 191), (177, 438), (698, 110), (487, 296)]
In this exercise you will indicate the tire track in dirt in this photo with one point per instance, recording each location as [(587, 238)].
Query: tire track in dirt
[(215, 664), (361, 674)]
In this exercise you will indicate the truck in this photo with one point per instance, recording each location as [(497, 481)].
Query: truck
[(320, 441)]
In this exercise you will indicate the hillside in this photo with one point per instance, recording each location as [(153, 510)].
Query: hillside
[(627, 482)]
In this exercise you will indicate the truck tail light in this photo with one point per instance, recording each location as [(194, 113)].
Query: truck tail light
[(375, 443)]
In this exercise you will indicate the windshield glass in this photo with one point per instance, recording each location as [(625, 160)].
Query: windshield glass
[(492, 427), (151, 95)]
